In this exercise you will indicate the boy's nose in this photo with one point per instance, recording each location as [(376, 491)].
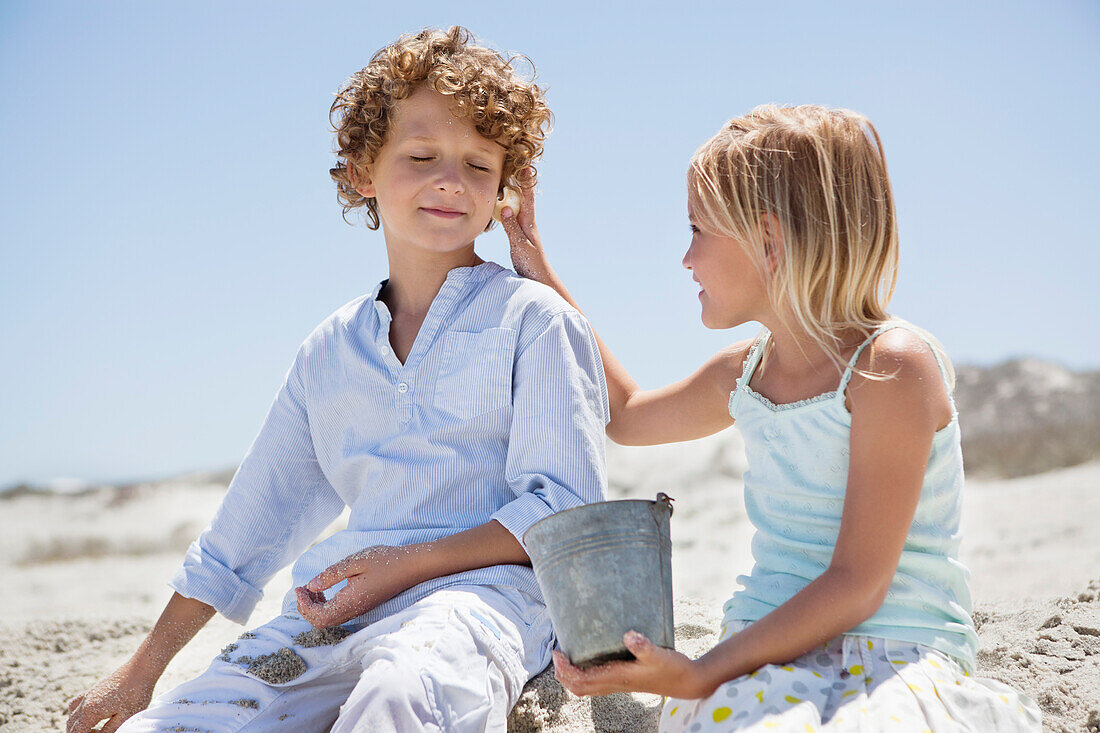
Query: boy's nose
[(449, 180)]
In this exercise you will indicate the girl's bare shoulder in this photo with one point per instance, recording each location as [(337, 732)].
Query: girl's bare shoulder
[(726, 365), (903, 352), (907, 372)]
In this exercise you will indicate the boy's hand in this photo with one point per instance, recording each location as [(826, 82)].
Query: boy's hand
[(374, 575), (657, 670), (115, 699), (528, 257)]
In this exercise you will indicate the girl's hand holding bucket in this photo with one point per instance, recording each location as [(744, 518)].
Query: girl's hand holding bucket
[(656, 669)]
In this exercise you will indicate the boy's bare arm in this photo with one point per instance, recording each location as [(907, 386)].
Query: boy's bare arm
[(379, 573), (130, 688)]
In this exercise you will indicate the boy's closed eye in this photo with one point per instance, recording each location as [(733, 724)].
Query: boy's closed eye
[(482, 167)]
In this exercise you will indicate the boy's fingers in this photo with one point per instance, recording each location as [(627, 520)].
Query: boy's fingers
[(330, 576), (114, 723), (80, 723), (312, 613), (309, 604), (310, 597), (340, 608)]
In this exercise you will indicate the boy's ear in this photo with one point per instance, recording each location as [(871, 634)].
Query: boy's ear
[(773, 241), (361, 183)]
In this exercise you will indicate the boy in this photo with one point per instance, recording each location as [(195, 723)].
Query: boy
[(451, 409)]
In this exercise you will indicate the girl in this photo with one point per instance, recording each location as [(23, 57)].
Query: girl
[(856, 613)]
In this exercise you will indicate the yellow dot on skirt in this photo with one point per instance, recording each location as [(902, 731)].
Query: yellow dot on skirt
[(760, 696), (792, 699), (721, 714), (673, 711), (856, 669), (810, 728)]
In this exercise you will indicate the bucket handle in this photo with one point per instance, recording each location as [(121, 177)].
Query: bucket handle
[(661, 505)]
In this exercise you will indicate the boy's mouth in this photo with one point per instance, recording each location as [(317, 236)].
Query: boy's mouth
[(444, 213)]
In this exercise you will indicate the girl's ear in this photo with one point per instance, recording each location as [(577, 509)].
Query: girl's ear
[(773, 241), (362, 184)]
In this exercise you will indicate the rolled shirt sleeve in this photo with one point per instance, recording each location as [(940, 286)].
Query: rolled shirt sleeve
[(278, 501), (555, 457)]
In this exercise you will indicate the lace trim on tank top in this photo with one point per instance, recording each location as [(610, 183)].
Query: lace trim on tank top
[(752, 360), (748, 368), (823, 397)]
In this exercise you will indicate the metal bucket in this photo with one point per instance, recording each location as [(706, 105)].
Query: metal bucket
[(604, 569)]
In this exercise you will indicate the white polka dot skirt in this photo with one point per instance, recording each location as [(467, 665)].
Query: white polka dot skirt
[(856, 683)]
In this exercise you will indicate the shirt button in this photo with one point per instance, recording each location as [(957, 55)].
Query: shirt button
[(402, 388)]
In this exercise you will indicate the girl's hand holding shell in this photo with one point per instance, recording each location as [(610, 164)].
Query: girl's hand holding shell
[(510, 199), (528, 257)]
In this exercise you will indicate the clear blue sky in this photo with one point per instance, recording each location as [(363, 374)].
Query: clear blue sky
[(169, 232)]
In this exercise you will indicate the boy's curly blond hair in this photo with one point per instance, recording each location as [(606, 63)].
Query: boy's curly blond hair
[(487, 90)]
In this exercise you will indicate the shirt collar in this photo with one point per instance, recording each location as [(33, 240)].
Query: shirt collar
[(474, 273), (458, 279)]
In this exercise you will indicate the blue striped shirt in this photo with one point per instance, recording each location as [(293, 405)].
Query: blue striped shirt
[(497, 413)]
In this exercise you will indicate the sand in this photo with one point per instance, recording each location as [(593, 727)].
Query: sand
[(84, 579)]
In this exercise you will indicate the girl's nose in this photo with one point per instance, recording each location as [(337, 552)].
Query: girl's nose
[(686, 262)]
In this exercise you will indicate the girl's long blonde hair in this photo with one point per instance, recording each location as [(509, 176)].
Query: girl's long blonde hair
[(821, 173)]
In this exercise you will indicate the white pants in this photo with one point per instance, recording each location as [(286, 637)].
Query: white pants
[(454, 661)]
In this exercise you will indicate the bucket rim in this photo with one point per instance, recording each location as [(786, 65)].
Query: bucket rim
[(587, 506)]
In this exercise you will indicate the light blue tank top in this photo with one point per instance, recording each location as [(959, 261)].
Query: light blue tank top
[(794, 497)]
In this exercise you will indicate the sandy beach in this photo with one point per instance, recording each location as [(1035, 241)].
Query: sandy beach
[(85, 578)]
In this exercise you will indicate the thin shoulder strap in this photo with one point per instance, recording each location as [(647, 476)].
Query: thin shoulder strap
[(855, 357), (883, 329), (752, 359), (756, 353)]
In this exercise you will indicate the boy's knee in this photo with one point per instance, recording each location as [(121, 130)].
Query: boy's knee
[(391, 695)]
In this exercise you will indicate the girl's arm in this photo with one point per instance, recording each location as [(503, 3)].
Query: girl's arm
[(893, 422), (129, 690), (692, 408)]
